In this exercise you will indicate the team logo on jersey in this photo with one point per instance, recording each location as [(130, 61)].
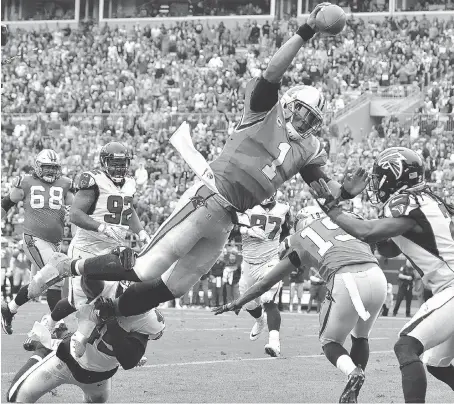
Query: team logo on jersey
[(393, 162)]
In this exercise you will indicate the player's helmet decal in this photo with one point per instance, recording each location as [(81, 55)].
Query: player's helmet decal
[(48, 165), (396, 169), (308, 215), (115, 160), (303, 111)]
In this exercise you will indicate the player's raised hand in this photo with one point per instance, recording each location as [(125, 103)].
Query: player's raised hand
[(232, 306), (356, 183), (311, 19)]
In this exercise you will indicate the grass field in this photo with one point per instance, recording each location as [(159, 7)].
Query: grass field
[(207, 358)]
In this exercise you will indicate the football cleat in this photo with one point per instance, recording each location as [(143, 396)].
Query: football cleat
[(60, 331), (273, 349), (30, 344), (142, 362), (7, 319), (257, 328), (354, 384), (58, 268)]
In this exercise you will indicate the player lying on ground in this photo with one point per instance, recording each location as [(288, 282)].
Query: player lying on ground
[(269, 221), (116, 341), (103, 213), (418, 224), (273, 142), (45, 194), (352, 304)]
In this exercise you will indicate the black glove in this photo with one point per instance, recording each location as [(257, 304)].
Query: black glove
[(127, 257), (106, 310), (227, 307)]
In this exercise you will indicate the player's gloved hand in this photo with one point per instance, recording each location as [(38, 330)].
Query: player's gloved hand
[(106, 310), (127, 257), (322, 194), (144, 237), (108, 231), (354, 184), (232, 306), (311, 19)]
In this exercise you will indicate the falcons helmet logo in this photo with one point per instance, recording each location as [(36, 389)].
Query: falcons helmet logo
[(393, 162)]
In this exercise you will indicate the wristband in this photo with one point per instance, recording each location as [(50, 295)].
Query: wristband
[(345, 194), (102, 228), (306, 32)]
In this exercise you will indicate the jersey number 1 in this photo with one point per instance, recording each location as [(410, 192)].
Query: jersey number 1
[(270, 169)]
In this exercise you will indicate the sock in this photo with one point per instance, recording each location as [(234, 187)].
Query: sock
[(21, 299), (360, 351), (444, 374), (274, 336), (62, 310), (105, 267), (256, 313), (414, 382), (273, 316), (345, 364), (53, 297), (333, 351), (142, 297)]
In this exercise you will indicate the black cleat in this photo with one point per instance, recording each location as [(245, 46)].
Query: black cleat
[(7, 318), (60, 331), (30, 344), (354, 384)]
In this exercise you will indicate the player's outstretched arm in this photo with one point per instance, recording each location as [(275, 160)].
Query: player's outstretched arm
[(282, 269), (371, 231), (16, 195), (282, 59)]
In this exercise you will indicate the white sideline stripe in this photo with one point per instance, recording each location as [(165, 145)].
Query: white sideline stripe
[(316, 335), (215, 362)]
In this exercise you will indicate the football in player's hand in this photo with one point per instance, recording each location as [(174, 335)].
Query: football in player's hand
[(330, 20)]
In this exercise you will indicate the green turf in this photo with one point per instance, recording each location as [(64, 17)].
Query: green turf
[(207, 358)]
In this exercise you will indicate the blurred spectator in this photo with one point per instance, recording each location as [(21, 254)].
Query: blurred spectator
[(406, 278)]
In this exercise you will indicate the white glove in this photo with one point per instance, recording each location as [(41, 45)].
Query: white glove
[(108, 231), (144, 237)]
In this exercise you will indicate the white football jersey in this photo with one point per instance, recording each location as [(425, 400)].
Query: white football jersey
[(256, 251), (99, 355), (431, 251), (113, 206)]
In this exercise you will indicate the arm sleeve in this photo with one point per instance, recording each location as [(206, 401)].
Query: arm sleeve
[(264, 95), (129, 347)]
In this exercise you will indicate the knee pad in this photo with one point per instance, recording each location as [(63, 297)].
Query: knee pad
[(408, 350)]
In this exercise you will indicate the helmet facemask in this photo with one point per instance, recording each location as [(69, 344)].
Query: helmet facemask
[(48, 172), (302, 120), (117, 168)]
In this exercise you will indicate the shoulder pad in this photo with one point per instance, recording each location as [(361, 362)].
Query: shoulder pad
[(87, 181), (17, 182), (400, 205)]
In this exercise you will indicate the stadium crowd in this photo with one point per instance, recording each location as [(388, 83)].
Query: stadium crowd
[(75, 90)]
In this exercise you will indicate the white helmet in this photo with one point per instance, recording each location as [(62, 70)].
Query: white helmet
[(308, 215), (303, 111), (48, 165)]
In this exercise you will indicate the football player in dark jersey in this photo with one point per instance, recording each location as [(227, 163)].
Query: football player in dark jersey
[(418, 224), (274, 141)]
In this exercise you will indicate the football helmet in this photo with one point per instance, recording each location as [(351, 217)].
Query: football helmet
[(115, 161), (303, 110), (48, 165), (269, 201), (395, 169), (307, 215)]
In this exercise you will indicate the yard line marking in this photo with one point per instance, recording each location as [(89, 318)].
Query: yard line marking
[(215, 362)]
